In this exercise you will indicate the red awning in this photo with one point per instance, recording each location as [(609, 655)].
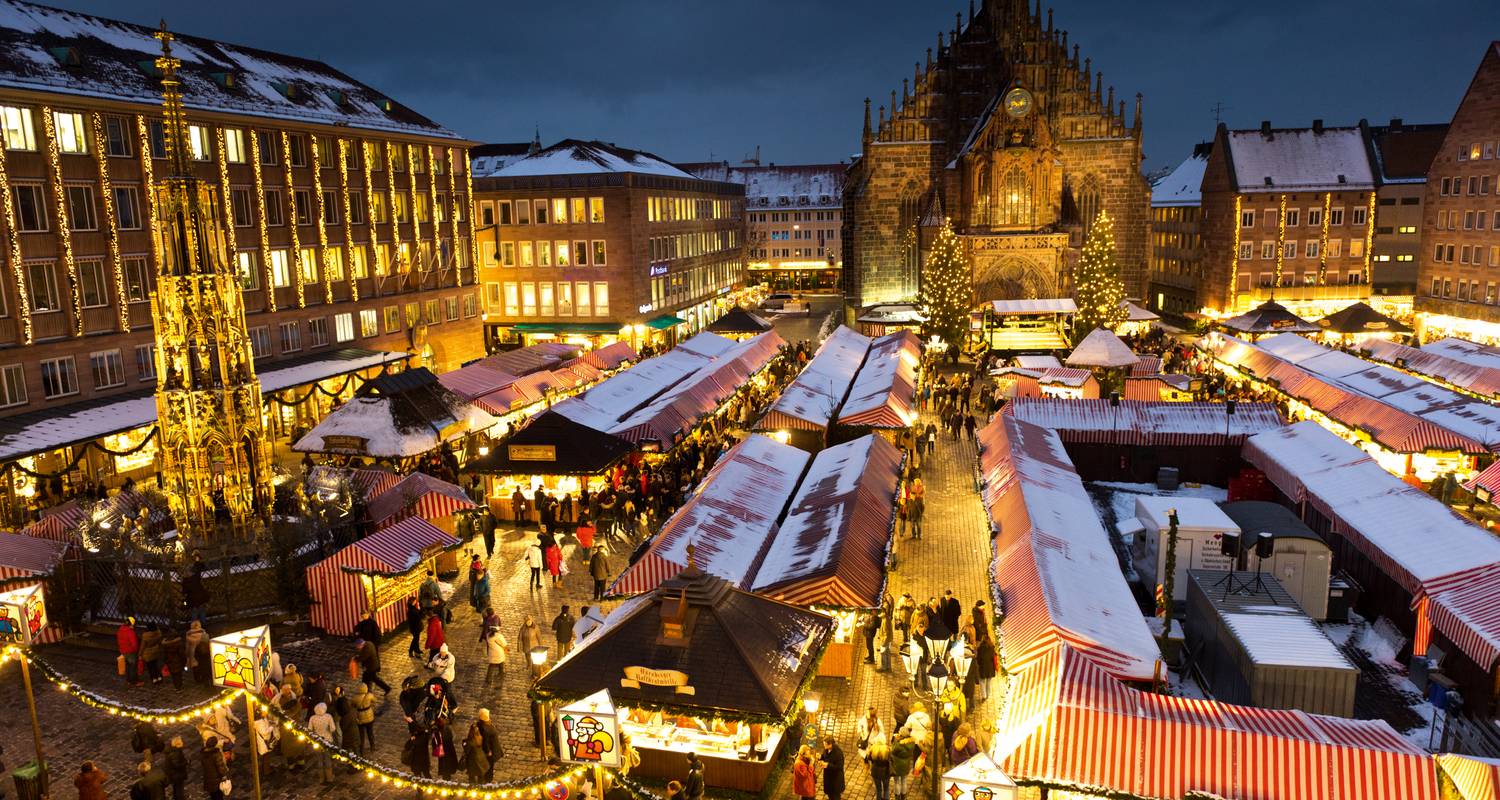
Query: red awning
[(29, 556), (398, 547), (419, 494)]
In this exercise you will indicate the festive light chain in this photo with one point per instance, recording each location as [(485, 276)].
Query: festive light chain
[(416, 220), (230, 244), (1280, 238), (319, 219), (148, 187), (13, 253), (64, 227), (469, 200), (390, 182), (374, 262), (1323, 238), (349, 244), (432, 187), (112, 707), (291, 220), (1369, 235), (453, 216), (1234, 254), (111, 223), (260, 219)]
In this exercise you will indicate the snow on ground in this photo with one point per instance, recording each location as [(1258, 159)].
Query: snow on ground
[(1115, 503)]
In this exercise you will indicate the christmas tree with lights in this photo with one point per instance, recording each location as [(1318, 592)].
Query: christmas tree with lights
[(1097, 286), (947, 291)]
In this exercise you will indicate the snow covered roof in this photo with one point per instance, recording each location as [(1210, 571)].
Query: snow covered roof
[(677, 410), (1300, 159), (780, 186), (818, 391), (831, 549), (1055, 568), (259, 83), (395, 416), (1183, 185), (1143, 422), (1285, 637), (1056, 305), (1101, 348), (577, 157), (1479, 355), (1453, 362), (884, 391), (606, 405), (1195, 513), (1037, 362), (487, 159), (1134, 313)]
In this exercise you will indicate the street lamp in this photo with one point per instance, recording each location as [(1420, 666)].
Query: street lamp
[(937, 680), (538, 657)]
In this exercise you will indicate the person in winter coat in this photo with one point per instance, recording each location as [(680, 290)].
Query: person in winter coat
[(150, 653), (211, 760), (495, 647), (195, 634), (417, 753), (152, 783), (174, 656), (535, 560), (367, 628), (479, 590), (952, 612), (918, 726), (436, 637), (963, 745), (219, 724), (443, 664), (490, 736), (805, 774), (871, 731), (364, 716), (292, 679), (129, 645), (263, 735), (879, 758), (175, 764), (146, 740), (530, 637), (599, 571), (203, 673), (322, 725), (368, 657), (90, 782), (903, 759), (476, 762), (833, 769), (293, 750), (448, 758), (414, 626), (195, 594), (347, 718), (692, 788), (554, 564), (562, 628)]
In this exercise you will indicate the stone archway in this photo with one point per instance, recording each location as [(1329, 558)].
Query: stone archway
[(1010, 277)]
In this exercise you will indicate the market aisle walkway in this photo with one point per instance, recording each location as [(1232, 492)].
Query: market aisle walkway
[(953, 553)]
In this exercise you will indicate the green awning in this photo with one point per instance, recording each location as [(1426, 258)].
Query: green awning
[(566, 327), (665, 321)]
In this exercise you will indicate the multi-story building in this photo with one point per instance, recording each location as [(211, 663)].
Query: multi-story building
[(1286, 213), (1176, 248), (1459, 266), (595, 242), (1016, 140), (1403, 154), (793, 215)]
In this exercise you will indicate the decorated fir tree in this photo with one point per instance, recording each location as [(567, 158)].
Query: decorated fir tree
[(1097, 286), (947, 291)]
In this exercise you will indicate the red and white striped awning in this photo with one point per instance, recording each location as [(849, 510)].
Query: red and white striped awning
[(59, 523), (1145, 365), (883, 394), (29, 556), (1071, 724), (475, 380), (1488, 480), (1474, 778), (418, 494), (609, 356), (1464, 607), (398, 547)]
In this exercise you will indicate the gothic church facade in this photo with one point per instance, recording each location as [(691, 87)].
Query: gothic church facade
[(1009, 134)]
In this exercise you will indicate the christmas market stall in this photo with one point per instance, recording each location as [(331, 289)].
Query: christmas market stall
[(807, 406), (739, 323), (1036, 325), (1101, 350), (421, 495), (397, 417), (1468, 777), (878, 320), (25, 560), (550, 452), (1163, 387), (883, 397), (1267, 319), (517, 384), (1459, 365), (1359, 324), (1070, 729), (1056, 575), (375, 574), (1061, 382), (1432, 573), (1137, 320), (698, 666)]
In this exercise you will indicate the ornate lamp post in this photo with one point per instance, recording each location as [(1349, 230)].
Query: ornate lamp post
[(934, 681), (538, 657)]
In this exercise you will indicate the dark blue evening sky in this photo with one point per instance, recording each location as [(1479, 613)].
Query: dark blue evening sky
[(693, 79)]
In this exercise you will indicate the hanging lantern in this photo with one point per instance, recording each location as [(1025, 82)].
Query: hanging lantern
[(242, 660), (23, 615)]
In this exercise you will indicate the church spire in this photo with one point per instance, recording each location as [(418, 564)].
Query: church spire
[(174, 120), (1098, 85), (1135, 126), (929, 59), (536, 142), (865, 138)]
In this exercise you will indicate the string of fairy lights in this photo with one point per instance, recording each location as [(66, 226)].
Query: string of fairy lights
[(573, 777), (469, 201), (321, 218), (13, 253), (370, 219), (148, 187), (64, 224), (268, 275), (111, 222), (349, 243), (286, 162), (430, 153), (231, 250), (416, 220), (390, 184), (454, 217)]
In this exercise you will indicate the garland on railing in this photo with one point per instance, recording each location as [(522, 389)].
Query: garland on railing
[(78, 456), (114, 707)]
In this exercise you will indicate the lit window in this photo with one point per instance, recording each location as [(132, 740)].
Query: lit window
[(528, 299), (596, 209), (335, 265), (137, 279), (234, 145), (576, 210), (601, 299), (72, 133), (392, 315), (281, 273), (12, 385), (581, 253), (547, 302), (544, 254), (507, 254), (93, 289), (559, 210), (200, 143), (307, 258), (247, 265), (583, 305), (19, 133), (526, 258), (369, 323), (343, 327), (598, 257), (358, 265), (512, 299), (562, 254)]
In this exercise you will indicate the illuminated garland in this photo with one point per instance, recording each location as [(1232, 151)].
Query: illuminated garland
[(416, 220), (13, 253), (1234, 258), (469, 201), (286, 160), (260, 219), (374, 264), (78, 455), (452, 164), (115, 708), (112, 225), (148, 187), (348, 232), (390, 181), (318, 220), (1323, 238), (1280, 239), (1369, 235), (229, 236), (64, 229), (437, 225)]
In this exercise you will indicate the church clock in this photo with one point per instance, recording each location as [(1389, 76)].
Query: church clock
[(1018, 102)]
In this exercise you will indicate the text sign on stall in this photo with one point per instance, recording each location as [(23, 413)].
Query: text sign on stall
[(389, 591), (588, 731), (635, 676), (23, 615), (532, 452), (345, 443)]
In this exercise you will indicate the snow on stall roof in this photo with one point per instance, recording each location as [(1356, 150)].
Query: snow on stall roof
[(1298, 449), (576, 157), (1285, 637), (1058, 305), (1468, 352), (1101, 348), (1037, 362), (1193, 513), (1477, 371), (110, 51), (886, 383), (1143, 421), (1300, 159), (605, 405), (818, 390), (678, 408), (1183, 186), (274, 378)]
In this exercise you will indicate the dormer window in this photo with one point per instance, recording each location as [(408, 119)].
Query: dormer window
[(65, 56)]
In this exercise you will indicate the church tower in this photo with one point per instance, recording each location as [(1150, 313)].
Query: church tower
[(215, 459)]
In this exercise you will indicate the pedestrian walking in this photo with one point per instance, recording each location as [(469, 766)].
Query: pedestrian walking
[(479, 589), (322, 725), (534, 558), (963, 745), (871, 731), (443, 664), (832, 762), (553, 556), (903, 761), (367, 628), (476, 762), (529, 637), (496, 648), (263, 735), (879, 759), (90, 781), (871, 623), (562, 628), (215, 771), (414, 626), (692, 788), (128, 643), (151, 783), (436, 637), (347, 717), (368, 657), (951, 611), (916, 508), (175, 764), (599, 571), (174, 656), (490, 735), (364, 717)]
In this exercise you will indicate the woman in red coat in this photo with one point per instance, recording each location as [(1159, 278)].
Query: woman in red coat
[(435, 635), (805, 775), (90, 782), (554, 564)]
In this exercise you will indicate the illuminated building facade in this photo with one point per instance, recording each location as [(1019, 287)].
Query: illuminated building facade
[(1012, 135), (591, 242), (1176, 247), (1456, 283), (1403, 154), (793, 215)]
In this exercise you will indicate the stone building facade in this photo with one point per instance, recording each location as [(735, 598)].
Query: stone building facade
[(1012, 136)]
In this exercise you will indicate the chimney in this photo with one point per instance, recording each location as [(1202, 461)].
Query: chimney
[(1265, 127), (1317, 126), (1395, 124)]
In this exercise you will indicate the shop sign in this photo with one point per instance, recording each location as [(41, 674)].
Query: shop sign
[(242, 660), (635, 676), (658, 270), (23, 615), (392, 590), (344, 443), (531, 452), (589, 731)]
